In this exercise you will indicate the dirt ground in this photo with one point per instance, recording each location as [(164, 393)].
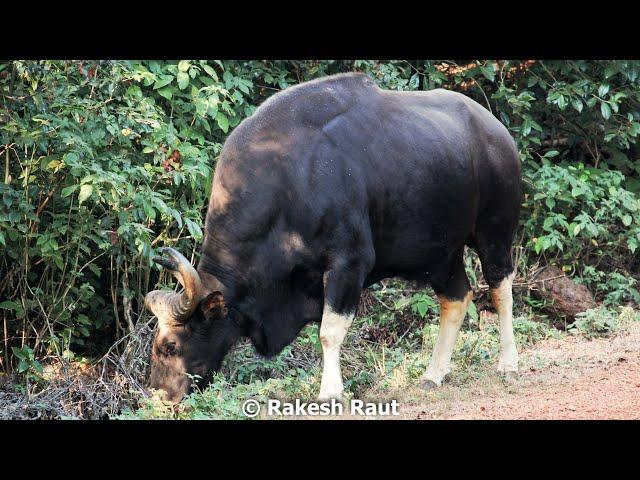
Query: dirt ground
[(569, 378)]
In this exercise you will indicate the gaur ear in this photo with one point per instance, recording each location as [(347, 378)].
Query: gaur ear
[(212, 306)]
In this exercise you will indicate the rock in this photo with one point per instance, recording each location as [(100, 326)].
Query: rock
[(564, 297)]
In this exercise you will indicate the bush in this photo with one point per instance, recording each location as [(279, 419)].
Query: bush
[(105, 162), (595, 322), (585, 214)]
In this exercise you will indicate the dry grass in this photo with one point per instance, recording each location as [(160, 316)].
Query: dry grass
[(79, 390)]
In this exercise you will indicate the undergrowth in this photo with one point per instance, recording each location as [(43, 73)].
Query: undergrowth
[(371, 369)]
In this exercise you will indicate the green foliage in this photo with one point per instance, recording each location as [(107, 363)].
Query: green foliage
[(219, 400), (420, 304), (28, 365), (615, 288), (596, 322), (581, 210), (105, 162)]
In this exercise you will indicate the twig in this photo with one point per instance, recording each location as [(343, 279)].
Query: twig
[(384, 304), (484, 287), (407, 331)]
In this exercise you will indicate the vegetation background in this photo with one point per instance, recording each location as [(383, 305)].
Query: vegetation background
[(104, 162)]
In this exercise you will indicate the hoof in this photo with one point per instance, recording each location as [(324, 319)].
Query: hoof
[(338, 399)]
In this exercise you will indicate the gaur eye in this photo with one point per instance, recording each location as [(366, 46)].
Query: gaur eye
[(169, 349)]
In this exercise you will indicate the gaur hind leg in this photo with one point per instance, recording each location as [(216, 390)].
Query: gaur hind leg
[(454, 294), (495, 252), (342, 288)]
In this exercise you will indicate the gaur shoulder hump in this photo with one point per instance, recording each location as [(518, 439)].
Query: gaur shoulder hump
[(339, 84), (310, 104)]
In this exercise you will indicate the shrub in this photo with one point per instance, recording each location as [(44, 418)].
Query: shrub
[(595, 322)]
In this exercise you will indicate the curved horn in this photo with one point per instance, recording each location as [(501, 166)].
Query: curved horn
[(178, 307)]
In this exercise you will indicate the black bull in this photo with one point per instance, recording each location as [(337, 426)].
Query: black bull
[(331, 186)]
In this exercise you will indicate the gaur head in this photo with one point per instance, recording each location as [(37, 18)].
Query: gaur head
[(194, 331)]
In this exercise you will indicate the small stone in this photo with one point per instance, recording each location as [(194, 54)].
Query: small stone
[(428, 385)]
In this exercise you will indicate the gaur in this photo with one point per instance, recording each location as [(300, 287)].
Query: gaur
[(330, 186)]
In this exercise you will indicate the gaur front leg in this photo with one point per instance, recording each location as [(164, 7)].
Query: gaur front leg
[(342, 289), (332, 332)]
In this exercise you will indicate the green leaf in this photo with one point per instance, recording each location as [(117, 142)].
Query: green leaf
[(9, 305), (488, 71), (165, 80), (52, 245), (95, 269), (23, 366), (626, 220), (603, 90), (38, 367), (537, 246), (223, 122), (166, 92), (209, 69), (85, 192), (562, 102), (194, 229), (21, 353), (184, 65), (148, 209), (619, 96), (548, 223), (577, 104), (550, 203), (605, 110), (69, 190), (183, 80), (53, 164)]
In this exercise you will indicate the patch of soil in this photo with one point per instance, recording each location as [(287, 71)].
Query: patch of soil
[(570, 378)]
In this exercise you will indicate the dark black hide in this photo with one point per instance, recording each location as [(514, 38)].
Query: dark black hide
[(339, 182)]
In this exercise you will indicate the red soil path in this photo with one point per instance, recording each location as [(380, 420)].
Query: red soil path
[(572, 378)]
